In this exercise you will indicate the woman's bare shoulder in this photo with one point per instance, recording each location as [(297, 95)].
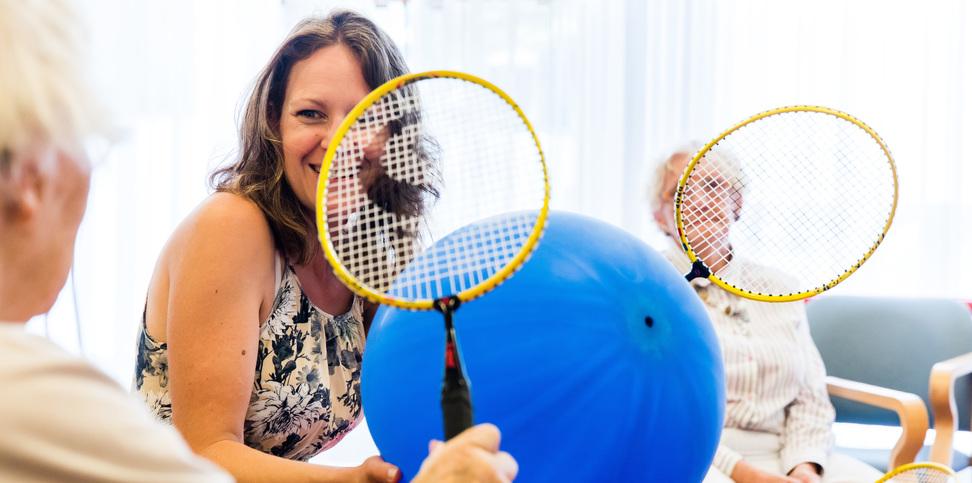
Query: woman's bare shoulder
[(226, 226)]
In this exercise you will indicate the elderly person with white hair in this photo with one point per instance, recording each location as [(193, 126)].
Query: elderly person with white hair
[(60, 418), (778, 416)]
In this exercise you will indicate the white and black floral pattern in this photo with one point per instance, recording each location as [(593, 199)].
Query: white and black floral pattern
[(307, 390)]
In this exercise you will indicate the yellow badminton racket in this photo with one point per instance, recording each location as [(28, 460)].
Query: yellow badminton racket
[(920, 473), (786, 204), (417, 159)]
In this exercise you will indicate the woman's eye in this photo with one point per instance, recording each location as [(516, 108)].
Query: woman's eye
[(311, 114)]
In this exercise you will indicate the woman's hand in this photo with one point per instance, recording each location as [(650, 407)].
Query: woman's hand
[(376, 470), (806, 473), (744, 472)]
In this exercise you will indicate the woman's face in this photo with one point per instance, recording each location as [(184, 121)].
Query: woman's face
[(51, 201), (713, 205), (664, 214), (321, 90), (69, 195)]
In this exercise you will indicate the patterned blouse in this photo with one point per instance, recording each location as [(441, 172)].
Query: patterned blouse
[(307, 390)]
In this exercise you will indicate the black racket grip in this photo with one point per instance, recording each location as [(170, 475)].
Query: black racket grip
[(457, 412), (699, 270)]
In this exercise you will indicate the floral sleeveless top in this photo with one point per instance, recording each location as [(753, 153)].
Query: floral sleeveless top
[(307, 390)]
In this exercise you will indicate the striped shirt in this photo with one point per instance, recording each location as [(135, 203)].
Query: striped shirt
[(775, 378)]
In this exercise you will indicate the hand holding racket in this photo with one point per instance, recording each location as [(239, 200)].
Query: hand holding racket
[(417, 159), (786, 204)]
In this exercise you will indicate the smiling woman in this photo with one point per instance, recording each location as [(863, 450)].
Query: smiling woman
[(249, 345), (320, 92)]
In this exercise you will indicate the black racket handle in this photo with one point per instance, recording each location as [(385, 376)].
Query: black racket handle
[(457, 412), (699, 270)]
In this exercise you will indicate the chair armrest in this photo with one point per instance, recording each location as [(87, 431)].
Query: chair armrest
[(909, 407), (941, 395)]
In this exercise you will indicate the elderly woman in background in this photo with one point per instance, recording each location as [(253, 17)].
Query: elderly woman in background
[(778, 416)]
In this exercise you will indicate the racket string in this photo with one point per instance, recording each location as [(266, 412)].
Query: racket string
[(490, 165), (923, 474), (810, 180)]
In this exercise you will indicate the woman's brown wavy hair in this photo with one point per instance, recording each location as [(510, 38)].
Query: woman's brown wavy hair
[(258, 174)]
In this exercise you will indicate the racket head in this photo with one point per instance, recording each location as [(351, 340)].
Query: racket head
[(922, 472), (476, 128), (805, 193)]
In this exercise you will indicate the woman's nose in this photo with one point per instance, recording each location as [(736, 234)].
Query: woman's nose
[(326, 135)]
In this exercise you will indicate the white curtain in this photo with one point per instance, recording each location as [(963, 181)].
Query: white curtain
[(611, 87), (902, 67)]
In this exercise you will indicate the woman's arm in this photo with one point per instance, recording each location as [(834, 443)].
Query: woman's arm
[(726, 459), (807, 430), (217, 281), (745, 472)]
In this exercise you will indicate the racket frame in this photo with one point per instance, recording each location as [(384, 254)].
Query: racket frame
[(911, 466), (330, 253), (683, 180)]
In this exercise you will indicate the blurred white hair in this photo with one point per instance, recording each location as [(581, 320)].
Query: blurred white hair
[(44, 95), (656, 182), (717, 159)]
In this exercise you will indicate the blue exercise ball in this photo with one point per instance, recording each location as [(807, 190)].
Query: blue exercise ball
[(596, 360)]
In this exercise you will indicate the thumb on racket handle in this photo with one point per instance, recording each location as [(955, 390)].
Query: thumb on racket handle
[(457, 412)]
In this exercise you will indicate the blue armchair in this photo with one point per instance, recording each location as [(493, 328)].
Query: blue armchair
[(894, 343)]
